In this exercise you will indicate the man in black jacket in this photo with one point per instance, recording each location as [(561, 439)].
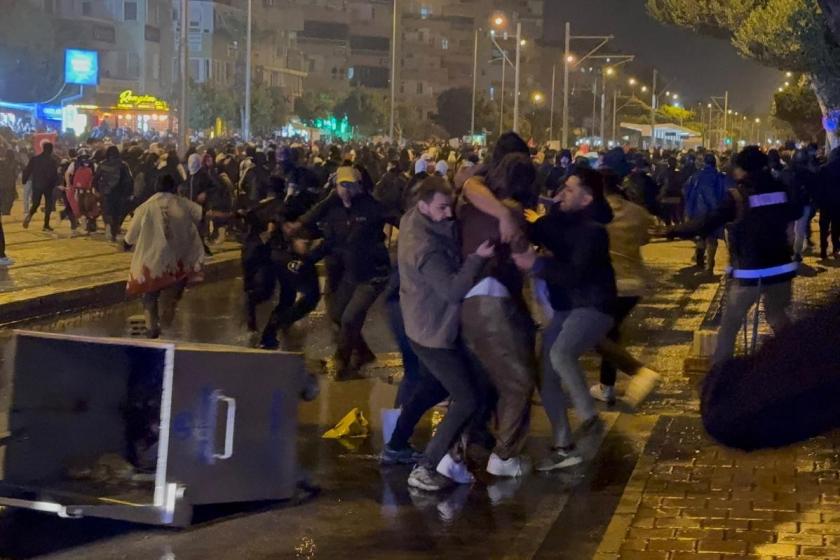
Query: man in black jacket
[(351, 222), (581, 284), (828, 200), (43, 170), (759, 212)]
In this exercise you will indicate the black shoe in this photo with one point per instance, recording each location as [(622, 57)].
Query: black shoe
[(47, 229), (364, 357), (26, 220), (269, 344)]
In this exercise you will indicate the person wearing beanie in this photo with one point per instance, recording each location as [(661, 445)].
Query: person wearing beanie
[(757, 213), (442, 169)]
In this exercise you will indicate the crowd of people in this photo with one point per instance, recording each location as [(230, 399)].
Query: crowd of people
[(496, 251)]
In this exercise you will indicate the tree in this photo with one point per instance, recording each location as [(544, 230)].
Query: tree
[(413, 127), (797, 106), (208, 102), (673, 114), (314, 105), (268, 109), (364, 110), (454, 111), (786, 34)]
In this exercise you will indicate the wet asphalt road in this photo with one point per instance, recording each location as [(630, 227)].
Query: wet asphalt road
[(362, 510)]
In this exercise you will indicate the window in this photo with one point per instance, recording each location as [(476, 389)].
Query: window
[(419, 88), (133, 65), (350, 73), (152, 12), (130, 11), (87, 8), (425, 12), (444, 43)]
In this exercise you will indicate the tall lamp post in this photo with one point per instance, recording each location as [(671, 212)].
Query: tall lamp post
[(568, 62), (391, 124), (500, 21), (246, 129), (183, 116)]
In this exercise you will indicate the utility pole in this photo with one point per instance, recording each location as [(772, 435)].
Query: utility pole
[(247, 128), (594, 108), (615, 114), (603, 106), (475, 80), (567, 55), (551, 119), (725, 116), (653, 112), (391, 122), (183, 109), (502, 105), (516, 77)]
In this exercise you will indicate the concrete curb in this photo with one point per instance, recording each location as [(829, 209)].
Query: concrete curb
[(698, 362), (106, 293)]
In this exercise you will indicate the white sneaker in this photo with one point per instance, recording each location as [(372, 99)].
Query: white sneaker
[(560, 458), (513, 467), (603, 393), (641, 386), (455, 470), (6, 261)]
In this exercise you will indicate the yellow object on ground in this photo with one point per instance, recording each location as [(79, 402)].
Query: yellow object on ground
[(353, 425)]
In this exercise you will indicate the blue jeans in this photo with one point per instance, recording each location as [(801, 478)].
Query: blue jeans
[(570, 334), (411, 365)]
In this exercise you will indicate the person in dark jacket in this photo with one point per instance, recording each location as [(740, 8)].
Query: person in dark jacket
[(802, 186), (671, 194), (113, 182), (704, 193), (758, 212), (351, 223), (43, 171), (828, 201), (390, 190), (563, 167), (640, 187), (582, 288)]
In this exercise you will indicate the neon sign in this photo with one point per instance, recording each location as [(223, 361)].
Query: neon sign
[(128, 100), (81, 67)]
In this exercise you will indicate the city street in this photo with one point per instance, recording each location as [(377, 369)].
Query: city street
[(653, 488)]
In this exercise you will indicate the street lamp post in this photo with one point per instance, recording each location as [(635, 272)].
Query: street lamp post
[(551, 117), (653, 112), (183, 116), (391, 123), (516, 77), (475, 78), (246, 129), (568, 59)]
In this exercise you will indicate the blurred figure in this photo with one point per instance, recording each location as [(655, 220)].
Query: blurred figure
[(704, 193), (42, 170), (168, 252)]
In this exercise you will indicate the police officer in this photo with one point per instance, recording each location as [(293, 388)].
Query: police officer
[(758, 211)]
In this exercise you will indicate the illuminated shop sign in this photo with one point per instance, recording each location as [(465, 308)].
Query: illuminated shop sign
[(81, 67), (128, 100)]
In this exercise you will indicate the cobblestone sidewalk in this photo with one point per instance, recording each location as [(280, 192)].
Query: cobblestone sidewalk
[(689, 498)]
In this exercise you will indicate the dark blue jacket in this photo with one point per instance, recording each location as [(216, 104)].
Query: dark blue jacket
[(704, 192)]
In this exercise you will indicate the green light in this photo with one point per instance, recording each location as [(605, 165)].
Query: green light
[(339, 128)]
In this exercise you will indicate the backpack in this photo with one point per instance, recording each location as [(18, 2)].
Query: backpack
[(83, 174), (109, 178)]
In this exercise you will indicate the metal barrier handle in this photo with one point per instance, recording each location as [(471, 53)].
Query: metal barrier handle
[(229, 427)]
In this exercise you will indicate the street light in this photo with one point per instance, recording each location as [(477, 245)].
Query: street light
[(676, 96), (609, 71), (537, 97), (644, 89), (500, 21), (632, 81), (789, 74)]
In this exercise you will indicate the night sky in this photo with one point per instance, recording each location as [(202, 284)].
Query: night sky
[(697, 66)]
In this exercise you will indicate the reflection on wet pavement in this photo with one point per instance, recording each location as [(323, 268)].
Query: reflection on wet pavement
[(362, 511)]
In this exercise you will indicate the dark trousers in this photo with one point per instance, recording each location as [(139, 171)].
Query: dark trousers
[(68, 211), (348, 309), (411, 364), (299, 295), (623, 307), (2, 239), (500, 337), (445, 372), (114, 211), (47, 195), (829, 226)]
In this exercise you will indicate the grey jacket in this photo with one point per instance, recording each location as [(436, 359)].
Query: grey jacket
[(433, 279)]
